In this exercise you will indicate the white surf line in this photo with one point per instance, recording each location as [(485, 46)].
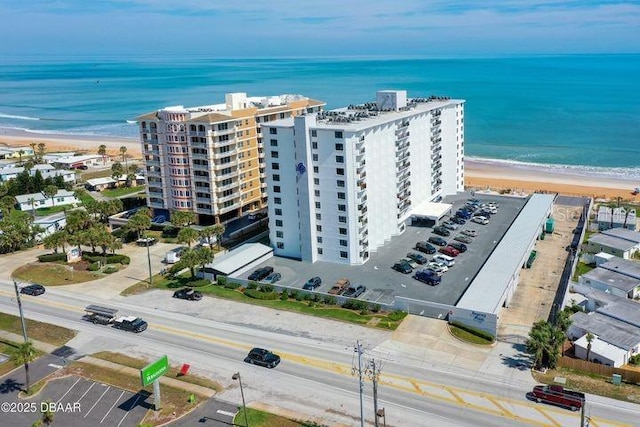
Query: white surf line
[(94, 405), (70, 388), (112, 406)]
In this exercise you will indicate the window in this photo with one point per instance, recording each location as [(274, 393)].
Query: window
[(339, 171), (274, 154), (338, 134), (276, 177), (276, 188), (318, 217), (318, 228), (342, 231), (344, 254), (342, 208), (277, 200), (316, 181), (343, 242), (314, 145), (314, 132), (339, 147), (340, 183), (278, 223), (317, 205), (273, 131), (280, 245), (342, 219), (319, 251), (316, 169), (319, 239), (278, 211), (316, 193), (280, 234), (341, 196), (274, 142), (275, 166), (315, 157), (339, 159)]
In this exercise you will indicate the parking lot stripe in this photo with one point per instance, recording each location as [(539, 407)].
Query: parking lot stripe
[(112, 406), (94, 405), (228, 414), (70, 388), (85, 393), (135, 402)]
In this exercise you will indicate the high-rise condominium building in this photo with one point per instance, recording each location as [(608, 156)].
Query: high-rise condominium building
[(210, 159), (343, 182)]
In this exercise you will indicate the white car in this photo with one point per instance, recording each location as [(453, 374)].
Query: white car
[(470, 233), (480, 220), (450, 225), (437, 267)]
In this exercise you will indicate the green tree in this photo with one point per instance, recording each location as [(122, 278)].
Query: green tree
[(218, 230), (192, 258), (589, 337), (182, 218), (205, 256), (187, 235), (24, 354), (50, 191), (16, 229), (131, 174), (77, 220), (56, 240), (37, 182), (208, 233), (123, 151), (544, 343), (33, 148), (20, 154), (102, 151), (42, 149), (139, 222), (563, 320), (117, 171)]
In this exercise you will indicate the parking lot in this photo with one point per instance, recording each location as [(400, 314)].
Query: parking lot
[(383, 283)]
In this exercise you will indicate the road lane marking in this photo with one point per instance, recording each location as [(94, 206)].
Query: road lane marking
[(53, 365), (500, 406), (547, 416), (94, 405), (112, 406), (70, 388), (456, 396)]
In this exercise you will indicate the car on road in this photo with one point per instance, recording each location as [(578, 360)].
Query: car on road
[(261, 273), (462, 238), (480, 220), (449, 225), (437, 241), (448, 250), (441, 231), (420, 259), (461, 247), (262, 357), (470, 232), (458, 220), (33, 289), (402, 267), (354, 291), (437, 267), (188, 294), (312, 284), (272, 278), (428, 276), (425, 247), (130, 323)]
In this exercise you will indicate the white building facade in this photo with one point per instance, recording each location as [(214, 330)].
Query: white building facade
[(342, 183)]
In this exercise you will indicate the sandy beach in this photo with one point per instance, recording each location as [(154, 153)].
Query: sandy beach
[(479, 174)]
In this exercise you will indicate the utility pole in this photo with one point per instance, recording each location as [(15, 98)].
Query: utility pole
[(24, 325), (374, 374), (358, 349)]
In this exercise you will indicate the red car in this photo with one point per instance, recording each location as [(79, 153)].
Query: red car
[(448, 250)]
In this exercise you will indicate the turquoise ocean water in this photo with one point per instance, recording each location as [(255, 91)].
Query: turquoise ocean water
[(567, 112)]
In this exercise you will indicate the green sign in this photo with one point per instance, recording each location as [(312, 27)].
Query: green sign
[(154, 370)]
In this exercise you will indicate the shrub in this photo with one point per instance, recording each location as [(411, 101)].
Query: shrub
[(110, 259), (635, 360), (198, 283), (329, 300), (221, 280), (284, 296), (266, 288), (256, 294), (294, 295), (52, 257), (110, 269), (354, 304), (477, 332), (94, 266), (232, 285), (252, 285), (397, 315), (364, 312), (299, 296), (312, 304), (177, 268), (375, 308)]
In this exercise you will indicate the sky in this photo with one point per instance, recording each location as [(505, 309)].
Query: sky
[(265, 28)]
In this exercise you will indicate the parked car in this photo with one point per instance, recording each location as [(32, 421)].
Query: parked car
[(487, 212), (449, 225), (354, 291), (262, 357), (261, 273), (272, 278), (458, 220), (441, 231), (437, 267), (409, 261), (444, 259), (462, 238), (464, 214), (340, 286), (437, 241), (470, 232), (480, 220), (420, 259), (34, 289), (473, 202), (146, 241), (448, 250), (428, 276), (425, 247), (188, 294), (461, 247), (402, 267), (312, 284)]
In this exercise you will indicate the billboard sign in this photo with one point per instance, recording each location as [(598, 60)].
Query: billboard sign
[(154, 370)]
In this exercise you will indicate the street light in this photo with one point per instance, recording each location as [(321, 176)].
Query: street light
[(236, 376)]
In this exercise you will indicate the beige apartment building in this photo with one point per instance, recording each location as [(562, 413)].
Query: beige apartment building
[(210, 159)]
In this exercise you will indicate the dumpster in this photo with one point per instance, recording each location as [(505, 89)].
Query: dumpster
[(549, 225)]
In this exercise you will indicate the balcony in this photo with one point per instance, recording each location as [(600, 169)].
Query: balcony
[(403, 125), (231, 164), (221, 154), (435, 157), (229, 131), (402, 135), (436, 139), (203, 200), (231, 207), (436, 149), (437, 131), (222, 199), (404, 165), (436, 113), (200, 156), (234, 184)]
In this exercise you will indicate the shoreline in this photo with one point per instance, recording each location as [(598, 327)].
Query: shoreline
[(480, 174)]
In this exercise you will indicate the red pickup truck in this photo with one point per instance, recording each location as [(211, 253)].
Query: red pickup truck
[(558, 395)]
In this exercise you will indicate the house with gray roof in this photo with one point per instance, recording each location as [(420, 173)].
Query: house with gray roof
[(623, 266), (27, 202), (609, 217), (612, 244), (611, 282)]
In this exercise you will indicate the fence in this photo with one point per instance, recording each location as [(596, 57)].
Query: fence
[(628, 375)]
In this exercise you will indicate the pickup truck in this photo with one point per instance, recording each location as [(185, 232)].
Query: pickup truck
[(130, 323), (100, 315), (340, 286), (558, 395)]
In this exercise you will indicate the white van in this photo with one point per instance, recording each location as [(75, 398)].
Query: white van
[(174, 255), (445, 259)]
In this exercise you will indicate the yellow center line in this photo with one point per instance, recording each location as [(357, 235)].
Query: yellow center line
[(547, 416), (500, 406)]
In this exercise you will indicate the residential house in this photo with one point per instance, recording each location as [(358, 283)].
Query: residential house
[(27, 202), (609, 218), (611, 282)]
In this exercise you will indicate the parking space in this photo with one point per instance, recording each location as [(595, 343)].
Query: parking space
[(384, 283)]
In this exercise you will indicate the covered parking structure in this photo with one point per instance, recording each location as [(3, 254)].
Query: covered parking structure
[(237, 261), (428, 213), (494, 285)]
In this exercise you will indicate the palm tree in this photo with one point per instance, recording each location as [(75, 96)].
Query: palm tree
[(563, 320), (123, 151), (139, 222), (102, 151), (51, 191), (589, 337), (218, 230), (20, 154), (32, 201), (42, 148), (23, 355), (33, 148), (207, 233), (47, 415), (537, 342), (187, 235)]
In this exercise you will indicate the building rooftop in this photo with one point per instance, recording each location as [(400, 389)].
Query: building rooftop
[(623, 266), (608, 329), (237, 258), (613, 279), (617, 215), (487, 290), (26, 198), (603, 348), (623, 233), (611, 242), (76, 159)]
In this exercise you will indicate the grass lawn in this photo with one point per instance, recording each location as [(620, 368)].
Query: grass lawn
[(96, 174), (38, 331), (591, 383), (581, 269), (173, 372), (122, 191), (51, 274), (468, 336), (84, 196), (51, 210), (388, 321), (8, 349), (264, 419)]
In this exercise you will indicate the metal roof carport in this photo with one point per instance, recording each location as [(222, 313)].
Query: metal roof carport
[(430, 211), (237, 261)]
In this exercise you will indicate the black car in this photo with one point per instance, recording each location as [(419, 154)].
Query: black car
[(312, 284), (425, 247), (354, 291), (441, 231), (417, 258), (261, 273), (458, 220), (262, 357), (437, 241), (188, 294), (461, 247), (402, 267), (32, 290)]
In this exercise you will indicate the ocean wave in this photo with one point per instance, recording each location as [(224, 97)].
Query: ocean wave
[(631, 174), (13, 116)]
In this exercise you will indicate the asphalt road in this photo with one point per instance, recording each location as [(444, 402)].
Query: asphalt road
[(315, 376)]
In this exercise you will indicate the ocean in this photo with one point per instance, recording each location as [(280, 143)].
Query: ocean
[(575, 112)]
